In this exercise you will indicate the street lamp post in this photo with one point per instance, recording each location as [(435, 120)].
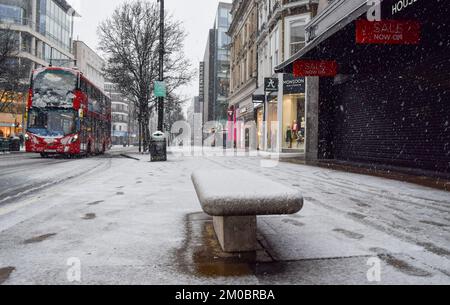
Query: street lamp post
[(161, 67)]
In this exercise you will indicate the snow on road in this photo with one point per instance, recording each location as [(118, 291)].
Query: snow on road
[(136, 222), (24, 174)]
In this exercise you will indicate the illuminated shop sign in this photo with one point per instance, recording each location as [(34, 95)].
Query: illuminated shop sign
[(324, 68), (293, 84), (388, 32)]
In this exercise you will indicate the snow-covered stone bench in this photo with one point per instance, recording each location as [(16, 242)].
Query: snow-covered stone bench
[(235, 198)]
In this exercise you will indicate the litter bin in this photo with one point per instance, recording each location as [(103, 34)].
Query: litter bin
[(158, 147)]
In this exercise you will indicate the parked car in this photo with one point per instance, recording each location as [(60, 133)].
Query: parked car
[(4, 144), (14, 144)]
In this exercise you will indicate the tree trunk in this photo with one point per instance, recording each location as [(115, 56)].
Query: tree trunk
[(146, 128), (140, 135)]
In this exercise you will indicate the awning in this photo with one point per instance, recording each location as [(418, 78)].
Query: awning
[(260, 96), (331, 34), (8, 125), (326, 24)]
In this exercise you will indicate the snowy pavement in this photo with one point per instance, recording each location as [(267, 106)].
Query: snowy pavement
[(134, 222)]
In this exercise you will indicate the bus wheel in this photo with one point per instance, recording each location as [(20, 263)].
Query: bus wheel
[(44, 155)]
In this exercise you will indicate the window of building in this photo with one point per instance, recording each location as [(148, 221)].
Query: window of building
[(275, 48), (11, 14), (295, 34), (297, 39), (224, 17)]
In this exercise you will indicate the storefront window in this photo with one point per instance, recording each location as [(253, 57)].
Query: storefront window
[(294, 121), (260, 129), (272, 125)]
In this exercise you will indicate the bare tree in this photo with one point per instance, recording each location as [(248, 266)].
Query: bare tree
[(174, 110), (12, 73), (130, 38)]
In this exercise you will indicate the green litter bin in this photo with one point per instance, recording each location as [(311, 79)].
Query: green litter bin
[(158, 147)]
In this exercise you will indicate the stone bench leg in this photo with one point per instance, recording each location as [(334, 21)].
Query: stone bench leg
[(237, 233)]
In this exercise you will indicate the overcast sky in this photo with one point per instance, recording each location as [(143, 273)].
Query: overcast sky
[(197, 16)]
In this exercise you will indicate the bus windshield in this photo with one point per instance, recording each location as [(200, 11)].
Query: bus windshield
[(51, 122), (54, 88)]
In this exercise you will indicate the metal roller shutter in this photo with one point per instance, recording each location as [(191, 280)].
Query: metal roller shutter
[(398, 118)]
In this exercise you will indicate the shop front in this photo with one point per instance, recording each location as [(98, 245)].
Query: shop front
[(389, 103), (273, 124), (266, 118), (294, 116), (286, 121), (10, 125), (259, 115), (244, 116), (12, 109)]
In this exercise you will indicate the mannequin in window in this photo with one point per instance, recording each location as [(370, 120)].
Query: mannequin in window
[(300, 138), (295, 129), (289, 137), (303, 127)]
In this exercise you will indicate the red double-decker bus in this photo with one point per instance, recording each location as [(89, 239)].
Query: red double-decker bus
[(67, 114)]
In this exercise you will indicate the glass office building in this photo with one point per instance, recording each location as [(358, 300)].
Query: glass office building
[(43, 31), (216, 67)]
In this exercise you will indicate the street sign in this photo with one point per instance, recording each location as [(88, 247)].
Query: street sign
[(315, 68), (271, 84), (160, 89)]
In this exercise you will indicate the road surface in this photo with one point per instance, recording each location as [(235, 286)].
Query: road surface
[(129, 221)]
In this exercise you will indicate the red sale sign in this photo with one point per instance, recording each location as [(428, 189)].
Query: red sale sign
[(304, 68), (388, 32)]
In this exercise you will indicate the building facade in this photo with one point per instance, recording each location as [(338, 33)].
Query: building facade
[(243, 32), (281, 34), (264, 33), (388, 105), (201, 87), (89, 63), (124, 130), (215, 68), (44, 31), (194, 113)]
